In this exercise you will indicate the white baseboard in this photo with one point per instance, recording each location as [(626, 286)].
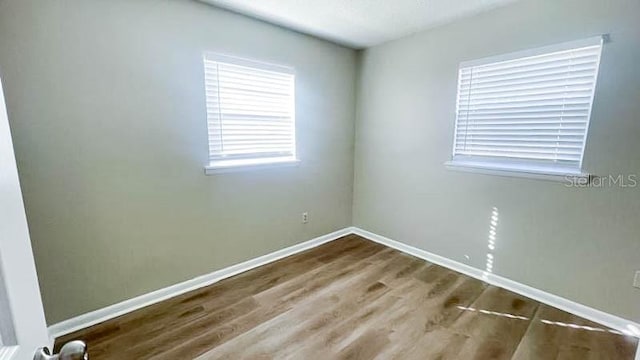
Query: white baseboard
[(625, 326), (127, 306), (112, 311)]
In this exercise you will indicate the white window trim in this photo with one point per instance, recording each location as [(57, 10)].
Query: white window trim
[(524, 169), (594, 40), (223, 166), (538, 172), (249, 63), (237, 165)]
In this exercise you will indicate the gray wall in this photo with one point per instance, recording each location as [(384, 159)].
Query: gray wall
[(581, 244), (106, 105)]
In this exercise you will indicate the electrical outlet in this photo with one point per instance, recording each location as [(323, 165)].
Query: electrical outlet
[(636, 280), (305, 217)]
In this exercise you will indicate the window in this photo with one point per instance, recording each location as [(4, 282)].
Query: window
[(250, 113), (527, 112)]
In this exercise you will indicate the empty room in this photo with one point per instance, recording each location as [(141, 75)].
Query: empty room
[(338, 179)]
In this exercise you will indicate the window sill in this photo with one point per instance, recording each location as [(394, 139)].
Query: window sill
[(228, 166), (533, 172)]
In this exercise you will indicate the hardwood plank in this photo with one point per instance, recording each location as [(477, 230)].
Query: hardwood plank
[(366, 346), (342, 297), (351, 299), (424, 325), (495, 323), (336, 280)]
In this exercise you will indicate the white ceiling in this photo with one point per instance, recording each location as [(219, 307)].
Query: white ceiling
[(359, 23)]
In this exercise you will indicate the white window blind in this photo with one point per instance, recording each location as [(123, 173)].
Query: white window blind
[(250, 111), (527, 111)]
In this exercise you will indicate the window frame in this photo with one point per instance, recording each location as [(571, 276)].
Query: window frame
[(245, 163), (533, 168)]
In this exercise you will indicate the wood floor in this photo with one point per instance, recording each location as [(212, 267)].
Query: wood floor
[(352, 299)]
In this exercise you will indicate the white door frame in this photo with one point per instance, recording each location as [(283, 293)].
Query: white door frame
[(16, 258)]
